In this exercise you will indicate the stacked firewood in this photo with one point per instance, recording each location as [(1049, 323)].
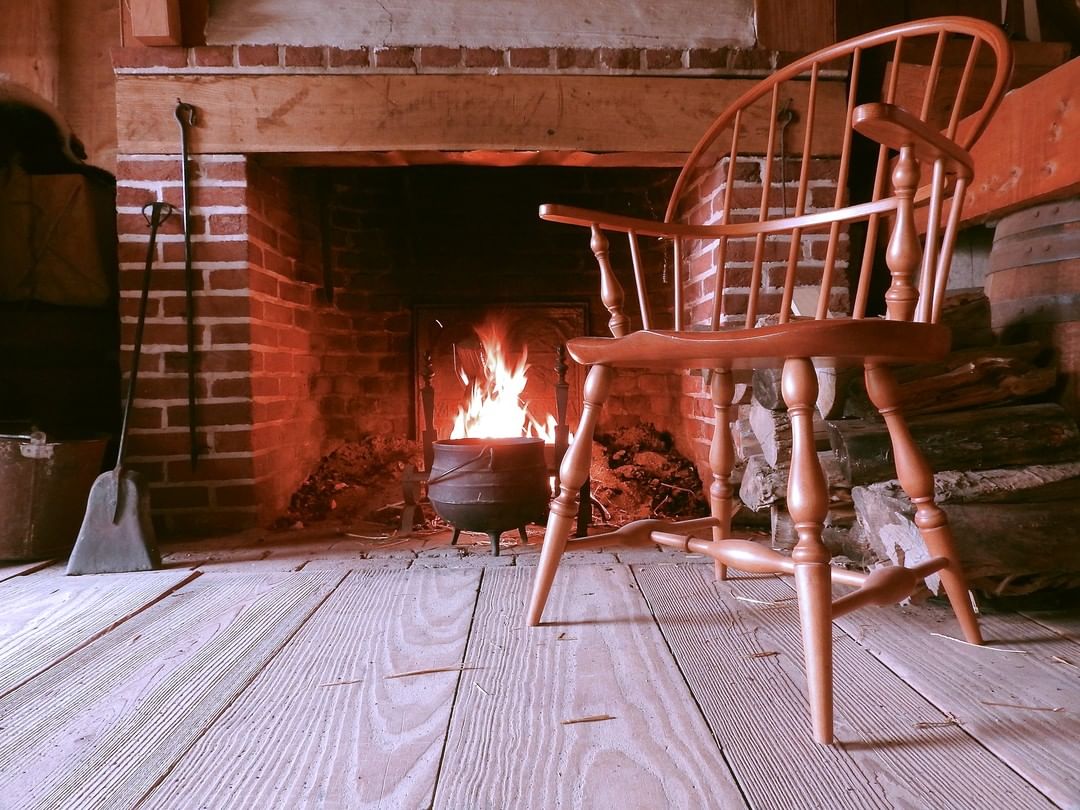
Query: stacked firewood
[(1009, 460)]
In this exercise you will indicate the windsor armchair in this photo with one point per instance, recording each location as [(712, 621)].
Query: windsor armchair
[(940, 81)]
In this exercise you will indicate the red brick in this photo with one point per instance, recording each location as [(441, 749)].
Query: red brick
[(236, 495), (229, 279), (167, 334), (209, 306), (298, 56), (483, 57), (232, 387), (216, 195), (349, 57), (210, 469), (620, 58), (213, 56), (146, 416), (233, 441), (225, 170), (393, 57), (663, 58), (151, 388), (235, 251), (228, 223), (164, 496), (575, 58), (257, 55), (530, 57), (221, 333), (210, 413), (149, 57), (148, 170), (439, 56), (126, 195)]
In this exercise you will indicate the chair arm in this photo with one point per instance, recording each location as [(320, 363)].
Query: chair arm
[(671, 230), (894, 127)]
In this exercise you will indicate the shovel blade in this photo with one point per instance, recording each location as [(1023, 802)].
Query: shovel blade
[(116, 534)]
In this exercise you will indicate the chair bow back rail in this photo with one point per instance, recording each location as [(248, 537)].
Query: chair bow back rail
[(917, 132)]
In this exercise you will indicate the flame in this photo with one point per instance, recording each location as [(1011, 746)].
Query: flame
[(495, 406)]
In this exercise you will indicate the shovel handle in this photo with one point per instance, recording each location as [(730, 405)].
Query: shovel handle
[(155, 213)]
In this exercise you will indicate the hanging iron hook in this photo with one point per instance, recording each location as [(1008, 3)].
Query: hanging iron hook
[(182, 109)]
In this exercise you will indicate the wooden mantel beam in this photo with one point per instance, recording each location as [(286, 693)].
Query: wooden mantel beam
[(343, 114), (1030, 152)]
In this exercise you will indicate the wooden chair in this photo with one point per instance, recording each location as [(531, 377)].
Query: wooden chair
[(940, 80)]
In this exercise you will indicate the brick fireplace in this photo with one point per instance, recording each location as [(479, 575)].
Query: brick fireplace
[(287, 371)]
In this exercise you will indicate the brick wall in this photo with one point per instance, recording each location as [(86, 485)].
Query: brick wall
[(186, 499), (707, 207)]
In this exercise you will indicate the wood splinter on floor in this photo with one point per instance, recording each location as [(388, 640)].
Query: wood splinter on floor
[(980, 646), (949, 721), (773, 602), (592, 718), (1021, 706), (341, 683), (763, 654), (430, 671)]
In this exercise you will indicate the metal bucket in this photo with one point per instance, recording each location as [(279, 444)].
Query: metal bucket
[(43, 490), (489, 485)]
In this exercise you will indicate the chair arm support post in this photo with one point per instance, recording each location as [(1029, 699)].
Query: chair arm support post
[(611, 291), (902, 255)]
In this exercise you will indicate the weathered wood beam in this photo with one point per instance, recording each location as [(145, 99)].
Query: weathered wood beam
[(349, 113), (30, 51), (1028, 153), (156, 22)]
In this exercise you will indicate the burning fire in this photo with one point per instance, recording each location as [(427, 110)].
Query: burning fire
[(495, 405)]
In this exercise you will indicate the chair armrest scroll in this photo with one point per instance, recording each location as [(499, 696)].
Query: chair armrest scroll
[(894, 127)]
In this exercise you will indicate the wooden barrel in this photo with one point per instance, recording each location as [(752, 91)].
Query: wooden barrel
[(1033, 285)]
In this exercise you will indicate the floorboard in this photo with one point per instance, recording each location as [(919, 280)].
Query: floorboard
[(101, 727), (511, 743), (44, 618), (11, 570), (1063, 621), (739, 645), (1023, 706), (323, 726)]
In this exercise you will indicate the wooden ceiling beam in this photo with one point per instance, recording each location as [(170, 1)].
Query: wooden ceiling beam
[(1028, 153), (340, 114)]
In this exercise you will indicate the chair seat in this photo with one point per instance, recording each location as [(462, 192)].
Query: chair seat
[(846, 341)]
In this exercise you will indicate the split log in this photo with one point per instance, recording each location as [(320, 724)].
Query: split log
[(967, 314), (1006, 548), (746, 444), (967, 379), (967, 440), (773, 432), (841, 534), (763, 485), (833, 384)]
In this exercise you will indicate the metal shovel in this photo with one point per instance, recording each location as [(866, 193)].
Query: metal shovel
[(117, 534)]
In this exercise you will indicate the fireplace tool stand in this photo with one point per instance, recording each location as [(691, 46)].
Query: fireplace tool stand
[(416, 482)]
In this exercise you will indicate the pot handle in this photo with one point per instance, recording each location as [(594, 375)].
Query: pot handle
[(491, 460)]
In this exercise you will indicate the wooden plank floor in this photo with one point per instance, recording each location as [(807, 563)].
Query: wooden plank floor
[(327, 671)]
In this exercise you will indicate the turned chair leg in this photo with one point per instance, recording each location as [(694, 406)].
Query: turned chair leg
[(808, 503), (917, 479), (722, 460), (573, 471)]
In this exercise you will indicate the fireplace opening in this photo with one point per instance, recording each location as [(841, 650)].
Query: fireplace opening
[(405, 261)]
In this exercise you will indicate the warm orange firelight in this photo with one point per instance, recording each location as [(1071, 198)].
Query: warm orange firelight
[(495, 406)]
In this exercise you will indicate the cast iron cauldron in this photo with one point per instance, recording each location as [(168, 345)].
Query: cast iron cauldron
[(489, 485)]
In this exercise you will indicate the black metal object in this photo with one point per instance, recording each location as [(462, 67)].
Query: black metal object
[(489, 485), (185, 116)]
